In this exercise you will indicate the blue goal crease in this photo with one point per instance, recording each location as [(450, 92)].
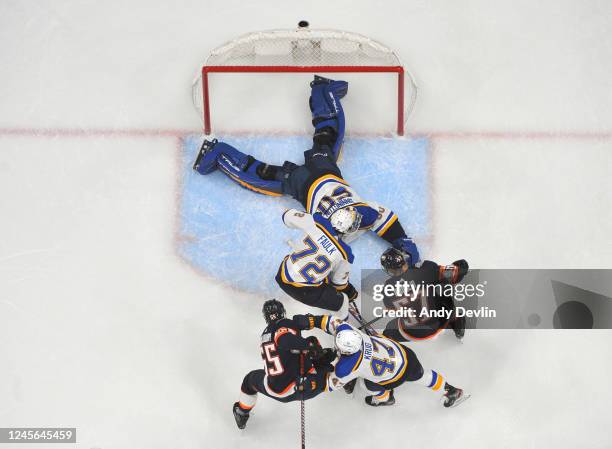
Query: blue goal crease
[(237, 236)]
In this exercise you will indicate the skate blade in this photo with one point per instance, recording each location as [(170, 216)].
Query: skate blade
[(461, 400)]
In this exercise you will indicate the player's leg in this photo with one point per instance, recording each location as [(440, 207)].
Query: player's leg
[(378, 395), (241, 168), (251, 385), (458, 326), (327, 114), (328, 121), (397, 330), (320, 160), (324, 296), (433, 380), (392, 331)]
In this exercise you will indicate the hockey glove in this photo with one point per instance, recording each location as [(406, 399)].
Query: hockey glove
[(304, 322), (406, 245), (313, 342), (351, 292), (455, 272), (315, 351)]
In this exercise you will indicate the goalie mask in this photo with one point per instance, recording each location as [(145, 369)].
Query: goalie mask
[(346, 220), (348, 341)]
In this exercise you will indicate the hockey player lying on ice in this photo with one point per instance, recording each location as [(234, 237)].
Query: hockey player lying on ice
[(317, 184), (381, 364)]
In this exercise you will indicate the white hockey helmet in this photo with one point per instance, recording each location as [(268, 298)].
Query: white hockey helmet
[(348, 341), (346, 220)]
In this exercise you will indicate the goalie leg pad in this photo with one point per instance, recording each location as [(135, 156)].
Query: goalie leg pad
[(325, 102), (327, 113), (242, 169)]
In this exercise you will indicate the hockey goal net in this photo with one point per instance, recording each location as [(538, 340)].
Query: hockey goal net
[(305, 51)]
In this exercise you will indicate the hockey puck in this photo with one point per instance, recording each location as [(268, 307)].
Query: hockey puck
[(303, 24)]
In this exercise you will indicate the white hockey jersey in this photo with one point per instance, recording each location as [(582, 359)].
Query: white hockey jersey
[(380, 360), (320, 256), (329, 193)]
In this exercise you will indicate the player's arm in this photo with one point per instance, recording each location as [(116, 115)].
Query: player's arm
[(335, 381), (340, 278), (326, 323), (287, 339), (448, 274), (295, 219), (386, 225), (311, 344)]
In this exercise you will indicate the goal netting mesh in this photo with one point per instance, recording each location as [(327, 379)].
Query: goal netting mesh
[(304, 50)]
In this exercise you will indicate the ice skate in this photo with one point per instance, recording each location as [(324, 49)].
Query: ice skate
[(241, 416), (371, 400), (453, 396), (338, 88), (206, 162)]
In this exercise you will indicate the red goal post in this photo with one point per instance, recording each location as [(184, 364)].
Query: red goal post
[(304, 50)]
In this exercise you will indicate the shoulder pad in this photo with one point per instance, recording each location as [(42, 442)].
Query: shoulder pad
[(369, 214), (348, 363), (282, 331)]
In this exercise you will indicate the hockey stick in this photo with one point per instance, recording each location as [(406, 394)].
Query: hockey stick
[(302, 405), (369, 323), (300, 387), (354, 311)]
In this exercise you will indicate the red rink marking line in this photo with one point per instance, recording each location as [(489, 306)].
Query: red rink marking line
[(95, 132), (515, 135), (180, 133)]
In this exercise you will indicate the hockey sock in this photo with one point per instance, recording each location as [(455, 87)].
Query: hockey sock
[(372, 388), (247, 401), (343, 312), (383, 396), (433, 381)]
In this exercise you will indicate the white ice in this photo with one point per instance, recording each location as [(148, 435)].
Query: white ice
[(104, 328)]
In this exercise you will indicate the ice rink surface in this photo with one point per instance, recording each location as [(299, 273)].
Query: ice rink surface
[(211, 229), (105, 327)]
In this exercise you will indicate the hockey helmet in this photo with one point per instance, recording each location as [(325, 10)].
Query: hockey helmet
[(346, 220), (348, 341), (273, 311), (394, 261)]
